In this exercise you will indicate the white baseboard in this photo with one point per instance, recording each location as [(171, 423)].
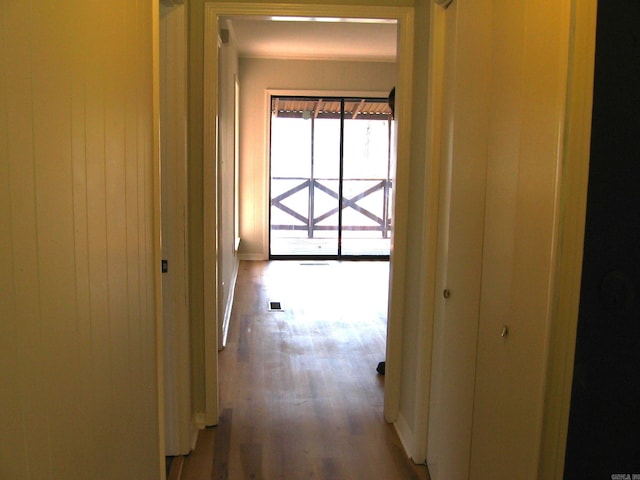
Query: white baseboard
[(197, 423), (229, 307), (405, 434)]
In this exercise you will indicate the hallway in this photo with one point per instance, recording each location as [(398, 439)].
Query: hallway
[(300, 397)]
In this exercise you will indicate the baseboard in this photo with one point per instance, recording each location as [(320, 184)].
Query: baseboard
[(229, 306), (253, 257), (405, 434), (197, 424), (199, 421)]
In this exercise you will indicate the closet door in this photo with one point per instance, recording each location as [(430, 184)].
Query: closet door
[(460, 244), (527, 97), (505, 105)]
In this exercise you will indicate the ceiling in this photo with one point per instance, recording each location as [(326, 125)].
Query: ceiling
[(334, 39)]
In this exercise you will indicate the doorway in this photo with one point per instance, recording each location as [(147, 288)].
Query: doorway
[(213, 12), (330, 178)]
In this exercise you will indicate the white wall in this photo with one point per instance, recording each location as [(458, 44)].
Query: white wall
[(78, 243), (256, 77)]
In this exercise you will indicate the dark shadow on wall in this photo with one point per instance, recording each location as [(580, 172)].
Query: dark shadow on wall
[(604, 425)]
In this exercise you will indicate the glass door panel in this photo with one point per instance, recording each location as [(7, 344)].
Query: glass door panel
[(290, 174), (305, 168), (326, 183), (330, 184), (366, 217)]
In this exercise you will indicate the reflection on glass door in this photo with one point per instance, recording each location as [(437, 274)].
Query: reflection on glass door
[(330, 177)]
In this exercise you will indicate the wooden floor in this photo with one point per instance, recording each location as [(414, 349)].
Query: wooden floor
[(299, 394)]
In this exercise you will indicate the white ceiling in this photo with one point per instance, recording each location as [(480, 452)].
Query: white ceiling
[(336, 40)]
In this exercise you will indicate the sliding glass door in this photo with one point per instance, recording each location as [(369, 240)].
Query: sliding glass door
[(330, 177)]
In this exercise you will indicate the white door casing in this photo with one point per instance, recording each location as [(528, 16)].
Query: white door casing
[(213, 11), (177, 386)]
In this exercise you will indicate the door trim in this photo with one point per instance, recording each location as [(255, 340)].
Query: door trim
[(570, 241), (173, 155), (404, 15)]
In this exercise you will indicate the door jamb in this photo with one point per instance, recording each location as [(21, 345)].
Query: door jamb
[(570, 241)]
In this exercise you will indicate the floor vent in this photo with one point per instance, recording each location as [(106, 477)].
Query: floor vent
[(275, 307)]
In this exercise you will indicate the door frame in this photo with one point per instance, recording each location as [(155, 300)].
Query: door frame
[(404, 16), (316, 94), (571, 223), (179, 429)]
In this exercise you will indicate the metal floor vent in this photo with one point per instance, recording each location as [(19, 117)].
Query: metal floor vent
[(275, 307)]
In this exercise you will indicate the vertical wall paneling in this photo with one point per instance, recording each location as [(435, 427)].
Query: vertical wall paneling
[(11, 414), (26, 390), (78, 99), (78, 357)]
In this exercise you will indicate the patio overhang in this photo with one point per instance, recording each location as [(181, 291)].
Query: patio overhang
[(354, 109)]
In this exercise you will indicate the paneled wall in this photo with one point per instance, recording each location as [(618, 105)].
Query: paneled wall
[(78, 365), (256, 77)]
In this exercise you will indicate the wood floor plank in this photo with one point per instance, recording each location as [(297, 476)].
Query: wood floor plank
[(198, 465), (222, 446), (300, 395), (251, 455), (175, 472)]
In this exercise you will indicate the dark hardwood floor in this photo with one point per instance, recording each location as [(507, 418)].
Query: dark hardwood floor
[(299, 394)]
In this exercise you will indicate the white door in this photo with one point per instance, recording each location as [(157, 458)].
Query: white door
[(496, 249), (460, 243)]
